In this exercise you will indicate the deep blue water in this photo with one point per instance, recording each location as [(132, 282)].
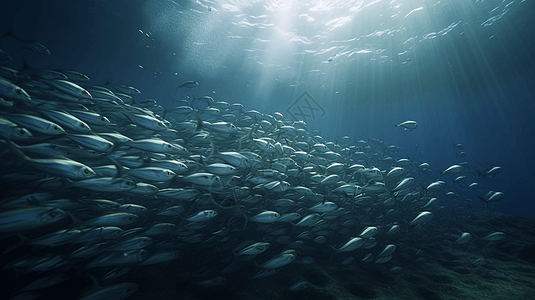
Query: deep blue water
[(464, 70)]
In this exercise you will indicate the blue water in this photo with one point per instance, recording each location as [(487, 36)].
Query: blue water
[(464, 70)]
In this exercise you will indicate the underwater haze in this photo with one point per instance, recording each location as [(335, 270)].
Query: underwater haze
[(279, 149)]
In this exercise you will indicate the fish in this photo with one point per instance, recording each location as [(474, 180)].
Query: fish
[(10, 91), (411, 125), (404, 184), (352, 244), (495, 236), (491, 172), (188, 84), (30, 217), (28, 44), (454, 169), (278, 261), (490, 197), (465, 238), (422, 218)]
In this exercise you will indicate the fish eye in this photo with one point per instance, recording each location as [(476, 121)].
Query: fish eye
[(86, 171), (56, 128), (169, 146), (18, 91)]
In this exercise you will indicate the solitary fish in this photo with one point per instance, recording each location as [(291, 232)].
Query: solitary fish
[(408, 125), (188, 84)]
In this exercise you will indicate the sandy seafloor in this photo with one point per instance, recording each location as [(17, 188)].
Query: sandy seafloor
[(508, 272)]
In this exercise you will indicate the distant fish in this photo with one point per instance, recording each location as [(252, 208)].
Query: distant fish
[(28, 44), (495, 236), (422, 218), (493, 171), (465, 238), (491, 196), (300, 286), (188, 84), (455, 169), (408, 125)]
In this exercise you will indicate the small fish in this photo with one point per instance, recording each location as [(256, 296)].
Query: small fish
[(408, 125), (265, 217), (422, 218), (352, 244), (404, 184), (387, 251), (495, 236), (203, 216), (10, 91), (368, 232), (29, 218), (188, 84), (300, 286), (253, 249), (278, 261), (36, 124)]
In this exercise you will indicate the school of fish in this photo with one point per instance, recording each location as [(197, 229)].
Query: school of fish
[(97, 181)]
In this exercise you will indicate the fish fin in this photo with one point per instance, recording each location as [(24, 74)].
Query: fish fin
[(199, 123), (119, 167)]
